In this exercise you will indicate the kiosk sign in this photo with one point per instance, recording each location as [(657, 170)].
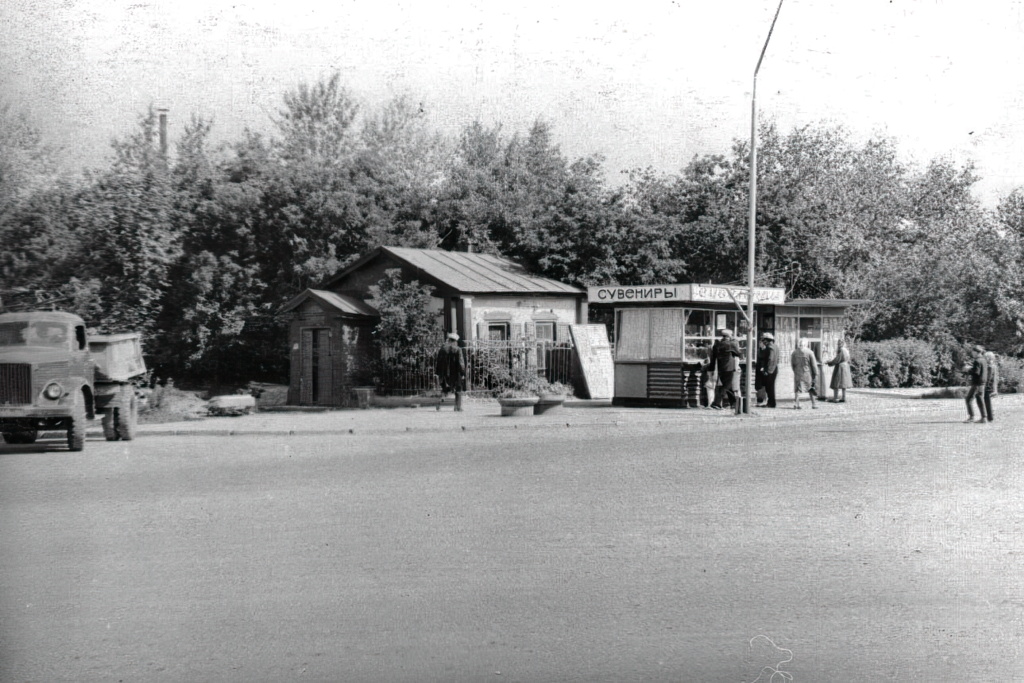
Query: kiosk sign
[(684, 292), (718, 294), (603, 295)]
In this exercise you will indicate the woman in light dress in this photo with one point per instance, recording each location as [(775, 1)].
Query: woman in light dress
[(842, 379)]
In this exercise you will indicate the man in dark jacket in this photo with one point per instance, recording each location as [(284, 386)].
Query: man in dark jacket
[(978, 374), (768, 367), (992, 385), (724, 354), (450, 368)]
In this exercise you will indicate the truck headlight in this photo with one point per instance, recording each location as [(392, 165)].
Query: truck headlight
[(53, 391)]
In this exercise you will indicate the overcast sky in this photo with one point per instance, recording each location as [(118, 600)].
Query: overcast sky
[(646, 83)]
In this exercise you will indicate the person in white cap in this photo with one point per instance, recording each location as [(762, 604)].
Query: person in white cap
[(768, 367), (724, 355), (450, 368)]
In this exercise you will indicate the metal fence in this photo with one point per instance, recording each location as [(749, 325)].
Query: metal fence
[(491, 366)]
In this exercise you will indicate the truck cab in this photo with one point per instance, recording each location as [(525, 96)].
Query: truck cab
[(49, 379)]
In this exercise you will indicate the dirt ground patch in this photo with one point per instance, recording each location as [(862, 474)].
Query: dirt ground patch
[(171, 404)]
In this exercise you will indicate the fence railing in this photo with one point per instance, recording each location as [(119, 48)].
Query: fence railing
[(492, 366)]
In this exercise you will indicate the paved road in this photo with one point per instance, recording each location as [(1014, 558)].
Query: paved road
[(880, 543)]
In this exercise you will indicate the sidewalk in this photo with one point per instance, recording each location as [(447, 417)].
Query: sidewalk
[(484, 415)]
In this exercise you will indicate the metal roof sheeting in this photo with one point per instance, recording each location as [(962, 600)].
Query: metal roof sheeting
[(343, 304), (472, 273), (827, 303)]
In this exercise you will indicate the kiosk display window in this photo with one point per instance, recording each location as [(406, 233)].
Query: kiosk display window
[(634, 334), (667, 333), (699, 334), (672, 334)]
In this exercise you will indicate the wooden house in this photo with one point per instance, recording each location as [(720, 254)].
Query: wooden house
[(478, 296)]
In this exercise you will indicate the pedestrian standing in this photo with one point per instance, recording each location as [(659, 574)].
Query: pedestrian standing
[(725, 353), (991, 383), (978, 374), (450, 368), (708, 382), (768, 367), (842, 378), (805, 372)]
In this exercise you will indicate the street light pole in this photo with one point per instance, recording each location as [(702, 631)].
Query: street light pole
[(752, 228)]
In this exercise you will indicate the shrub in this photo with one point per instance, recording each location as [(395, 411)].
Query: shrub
[(1011, 375), (893, 363), (914, 363), (408, 333)]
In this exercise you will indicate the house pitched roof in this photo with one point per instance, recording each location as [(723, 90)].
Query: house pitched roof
[(469, 273), (346, 305)]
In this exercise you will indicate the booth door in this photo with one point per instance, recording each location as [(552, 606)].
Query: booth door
[(316, 367)]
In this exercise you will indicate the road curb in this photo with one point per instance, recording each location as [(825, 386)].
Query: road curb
[(492, 423)]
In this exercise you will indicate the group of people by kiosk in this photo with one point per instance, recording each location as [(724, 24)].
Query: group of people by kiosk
[(720, 382), (722, 376)]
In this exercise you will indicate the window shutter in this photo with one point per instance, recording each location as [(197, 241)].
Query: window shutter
[(481, 330), (516, 330), (530, 329), (562, 332)]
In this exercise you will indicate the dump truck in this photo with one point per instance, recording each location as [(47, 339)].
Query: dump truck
[(56, 377)]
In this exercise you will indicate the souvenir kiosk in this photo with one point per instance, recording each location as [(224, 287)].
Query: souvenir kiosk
[(663, 334)]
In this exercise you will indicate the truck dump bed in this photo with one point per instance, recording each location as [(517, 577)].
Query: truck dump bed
[(118, 357)]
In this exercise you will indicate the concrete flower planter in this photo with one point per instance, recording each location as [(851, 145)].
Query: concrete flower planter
[(517, 406), (548, 403)]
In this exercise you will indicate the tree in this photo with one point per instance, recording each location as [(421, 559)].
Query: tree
[(27, 164), (402, 168), (408, 331)]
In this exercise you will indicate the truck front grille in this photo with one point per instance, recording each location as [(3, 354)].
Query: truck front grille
[(15, 383)]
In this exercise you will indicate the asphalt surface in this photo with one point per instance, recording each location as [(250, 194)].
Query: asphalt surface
[(881, 539), (485, 414)]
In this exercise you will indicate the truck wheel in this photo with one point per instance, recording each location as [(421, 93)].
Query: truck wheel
[(76, 430), (127, 417), (109, 429), (20, 437)]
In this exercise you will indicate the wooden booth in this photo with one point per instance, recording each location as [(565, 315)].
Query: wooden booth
[(331, 343), (663, 334)]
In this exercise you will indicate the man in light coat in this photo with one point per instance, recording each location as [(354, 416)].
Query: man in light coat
[(805, 372)]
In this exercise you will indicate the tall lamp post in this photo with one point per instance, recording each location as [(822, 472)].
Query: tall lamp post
[(752, 229)]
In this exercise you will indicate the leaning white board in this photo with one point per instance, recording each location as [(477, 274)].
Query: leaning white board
[(595, 354)]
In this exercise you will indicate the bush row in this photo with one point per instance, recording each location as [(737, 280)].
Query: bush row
[(915, 363)]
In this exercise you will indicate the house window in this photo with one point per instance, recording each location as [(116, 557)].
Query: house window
[(497, 331), (544, 331)]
